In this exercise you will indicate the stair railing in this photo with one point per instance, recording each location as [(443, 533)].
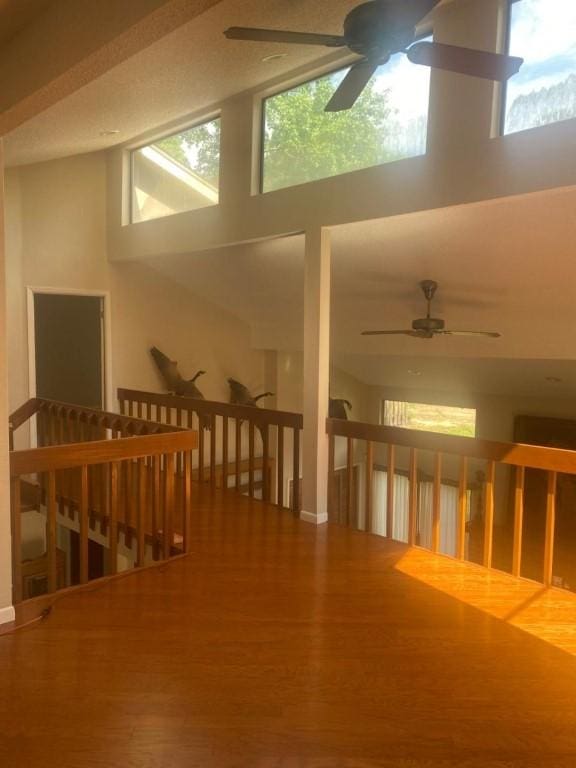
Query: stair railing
[(125, 479)]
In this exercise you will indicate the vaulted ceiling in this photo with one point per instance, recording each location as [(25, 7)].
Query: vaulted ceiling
[(188, 70), (499, 266)]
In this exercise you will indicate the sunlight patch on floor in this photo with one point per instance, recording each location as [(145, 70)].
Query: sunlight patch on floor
[(549, 614)]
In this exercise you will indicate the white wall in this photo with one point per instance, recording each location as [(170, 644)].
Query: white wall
[(56, 237)]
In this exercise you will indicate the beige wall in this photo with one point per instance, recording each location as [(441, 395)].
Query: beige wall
[(56, 216)]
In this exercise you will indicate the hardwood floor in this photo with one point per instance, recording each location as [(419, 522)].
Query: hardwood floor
[(278, 645)]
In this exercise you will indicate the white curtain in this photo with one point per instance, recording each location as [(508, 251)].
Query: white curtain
[(448, 517), (379, 513)]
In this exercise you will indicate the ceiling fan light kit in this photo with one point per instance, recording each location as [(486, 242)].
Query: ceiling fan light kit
[(428, 327), (378, 29)]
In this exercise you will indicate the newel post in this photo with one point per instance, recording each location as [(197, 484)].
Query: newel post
[(316, 375), (6, 609)]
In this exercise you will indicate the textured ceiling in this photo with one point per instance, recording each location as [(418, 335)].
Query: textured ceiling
[(499, 266), (190, 69), (17, 14)]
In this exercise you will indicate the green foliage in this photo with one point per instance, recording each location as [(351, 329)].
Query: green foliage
[(303, 143), (197, 148)]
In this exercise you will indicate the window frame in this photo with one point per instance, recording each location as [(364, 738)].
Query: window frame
[(160, 137), (507, 43), (443, 404), (310, 77)]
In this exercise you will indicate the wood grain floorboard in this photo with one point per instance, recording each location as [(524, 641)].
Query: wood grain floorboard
[(279, 645)]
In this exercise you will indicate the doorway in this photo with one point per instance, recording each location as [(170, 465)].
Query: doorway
[(67, 350)]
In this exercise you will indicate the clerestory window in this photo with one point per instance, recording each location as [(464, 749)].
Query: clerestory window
[(302, 143), (543, 32), (177, 173)]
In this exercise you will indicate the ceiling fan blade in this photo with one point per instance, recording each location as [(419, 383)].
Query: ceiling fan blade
[(465, 61), (484, 334), (281, 36), (349, 90), (390, 333)]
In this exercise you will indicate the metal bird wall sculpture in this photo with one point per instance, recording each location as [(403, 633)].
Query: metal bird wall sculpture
[(241, 395), (172, 377), (337, 408)]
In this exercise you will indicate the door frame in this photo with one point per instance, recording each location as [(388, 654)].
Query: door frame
[(107, 391)]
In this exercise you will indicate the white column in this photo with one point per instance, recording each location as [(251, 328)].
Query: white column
[(6, 609), (316, 376)]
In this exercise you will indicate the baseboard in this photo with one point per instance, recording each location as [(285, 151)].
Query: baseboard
[(309, 517), (7, 615)]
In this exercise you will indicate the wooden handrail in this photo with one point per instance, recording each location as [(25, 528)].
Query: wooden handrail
[(513, 454), (209, 407), (24, 412), (474, 513), (99, 452), (220, 433)]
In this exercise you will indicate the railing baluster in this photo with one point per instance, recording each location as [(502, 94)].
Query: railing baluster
[(200, 449), (413, 497), (16, 521), (213, 450), (436, 499), (518, 521), (168, 504), (128, 506), (462, 506), (187, 503), (390, 476), (238, 449), (489, 513), (296, 471), (265, 462), (280, 466), (225, 452), (113, 527), (83, 514), (51, 525), (369, 486), (332, 506), (349, 481), (550, 529), (251, 459), (142, 507), (156, 506)]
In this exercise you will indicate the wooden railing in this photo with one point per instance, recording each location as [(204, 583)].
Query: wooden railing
[(227, 449), (451, 460), (63, 423), (132, 489)]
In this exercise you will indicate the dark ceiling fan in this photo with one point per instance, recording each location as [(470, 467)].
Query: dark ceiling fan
[(428, 327), (377, 29)]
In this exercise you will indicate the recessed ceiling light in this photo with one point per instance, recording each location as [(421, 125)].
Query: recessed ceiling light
[(274, 57), (109, 132), (553, 379)]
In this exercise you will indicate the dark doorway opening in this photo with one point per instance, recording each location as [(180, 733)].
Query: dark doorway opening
[(69, 348)]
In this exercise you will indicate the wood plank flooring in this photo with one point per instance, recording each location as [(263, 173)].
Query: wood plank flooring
[(278, 645)]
